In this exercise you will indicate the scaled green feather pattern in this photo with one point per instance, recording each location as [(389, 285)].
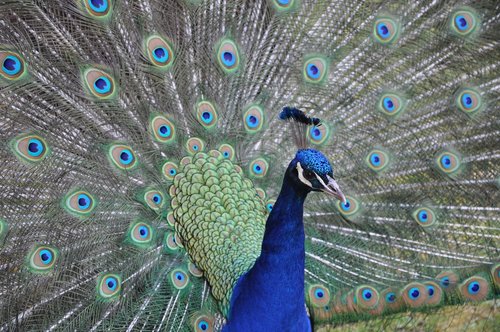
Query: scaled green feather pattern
[(220, 220)]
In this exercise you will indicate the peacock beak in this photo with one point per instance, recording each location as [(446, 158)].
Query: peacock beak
[(332, 188)]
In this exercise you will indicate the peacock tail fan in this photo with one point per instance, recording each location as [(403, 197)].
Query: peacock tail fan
[(142, 151)]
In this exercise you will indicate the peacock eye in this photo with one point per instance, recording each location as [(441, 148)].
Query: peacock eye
[(308, 174)]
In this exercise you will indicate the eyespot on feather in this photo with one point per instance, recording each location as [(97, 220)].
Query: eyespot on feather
[(475, 289), (391, 298), (154, 199), (227, 152), (315, 70), (159, 52), (270, 204), (109, 286), (464, 22), (468, 100), (319, 295), (253, 119), (30, 148), (448, 280), (122, 156), (203, 322), (350, 208), (366, 297), (13, 66), (415, 294), (377, 160), (206, 114), (170, 242), (195, 145), (228, 56), (391, 104), (448, 162), (258, 168), (424, 216), (140, 234), (79, 203), (163, 129), (284, 5), (98, 8), (261, 193), (319, 134), (194, 270), (179, 278), (434, 293), (170, 170), (386, 30), (42, 259), (99, 84)]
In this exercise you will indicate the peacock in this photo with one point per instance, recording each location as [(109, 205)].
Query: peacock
[(257, 165)]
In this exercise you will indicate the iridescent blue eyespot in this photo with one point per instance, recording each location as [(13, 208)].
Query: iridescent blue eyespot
[(157, 198), (98, 6), (257, 169), (464, 22), (345, 206), (390, 297), (35, 147), (430, 290), (160, 54), (126, 157), (446, 161), (11, 65), (164, 131), (474, 287), (445, 282), (316, 134), (313, 71), (143, 231), (228, 58), (252, 121), (414, 293), (102, 85), (367, 294), (423, 216), (203, 325), (84, 201), (388, 104), (283, 2), (386, 30), (461, 22), (269, 207), (46, 256), (111, 283), (108, 286), (42, 259), (383, 30), (375, 159), (319, 294)]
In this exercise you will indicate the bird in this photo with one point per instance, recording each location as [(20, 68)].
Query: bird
[(156, 156)]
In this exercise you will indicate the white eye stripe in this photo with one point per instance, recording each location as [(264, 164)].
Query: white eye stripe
[(300, 170)]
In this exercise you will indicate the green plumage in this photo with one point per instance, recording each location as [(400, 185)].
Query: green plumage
[(219, 219), (141, 153)]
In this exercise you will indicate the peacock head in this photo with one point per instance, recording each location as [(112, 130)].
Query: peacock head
[(311, 171)]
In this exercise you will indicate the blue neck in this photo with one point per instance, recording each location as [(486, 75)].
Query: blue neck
[(270, 297)]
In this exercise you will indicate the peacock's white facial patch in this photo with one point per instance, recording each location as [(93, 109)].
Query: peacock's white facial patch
[(300, 171)]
